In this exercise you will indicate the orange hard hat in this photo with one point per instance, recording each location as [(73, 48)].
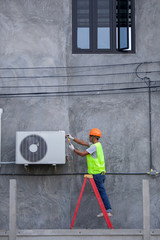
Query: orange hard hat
[(95, 132)]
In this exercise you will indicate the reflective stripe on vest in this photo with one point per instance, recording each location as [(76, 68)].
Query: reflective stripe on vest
[(96, 165)]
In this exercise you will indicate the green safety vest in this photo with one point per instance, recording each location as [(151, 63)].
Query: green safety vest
[(96, 165)]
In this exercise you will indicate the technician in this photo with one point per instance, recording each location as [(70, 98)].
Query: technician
[(95, 163)]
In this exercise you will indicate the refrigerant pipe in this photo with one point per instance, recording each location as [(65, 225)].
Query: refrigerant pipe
[(1, 111)]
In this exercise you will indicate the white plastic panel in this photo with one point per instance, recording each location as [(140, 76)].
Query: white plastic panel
[(39, 147)]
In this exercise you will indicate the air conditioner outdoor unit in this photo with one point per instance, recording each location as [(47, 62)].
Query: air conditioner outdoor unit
[(40, 147)]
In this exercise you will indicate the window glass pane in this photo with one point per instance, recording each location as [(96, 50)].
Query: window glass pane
[(123, 32), (130, 25), (123, 24), (83, 38), (103, 24), (103, 38), (83, 29)]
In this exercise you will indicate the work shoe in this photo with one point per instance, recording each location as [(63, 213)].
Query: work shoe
[(101, 214), (110, 214)]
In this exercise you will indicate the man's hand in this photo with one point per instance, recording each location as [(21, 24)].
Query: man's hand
[(70, 137), (71, 147)]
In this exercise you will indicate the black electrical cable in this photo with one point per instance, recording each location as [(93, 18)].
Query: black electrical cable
[(68, 174), (150, 122), (74, 85), (84, 66), (157, 90), (80, 91), (148, 83), (71, 85), (75, 95), (71, 76)]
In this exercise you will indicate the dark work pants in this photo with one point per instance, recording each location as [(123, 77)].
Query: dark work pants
[(99, 181)]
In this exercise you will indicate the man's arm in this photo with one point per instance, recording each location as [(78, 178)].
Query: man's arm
[(81, 142), (82, 154)]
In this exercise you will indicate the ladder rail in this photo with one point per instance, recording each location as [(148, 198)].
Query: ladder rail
[(99, 199), (78, 203), (101, 204)]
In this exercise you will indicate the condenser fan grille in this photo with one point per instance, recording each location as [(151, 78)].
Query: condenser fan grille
[(33, 148)]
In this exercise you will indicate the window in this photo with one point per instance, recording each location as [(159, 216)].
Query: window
[(103, 26)]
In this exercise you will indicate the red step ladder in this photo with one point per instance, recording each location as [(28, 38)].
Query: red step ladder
[(99, 199)]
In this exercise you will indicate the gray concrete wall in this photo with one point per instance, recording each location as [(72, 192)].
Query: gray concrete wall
[(39, 33)]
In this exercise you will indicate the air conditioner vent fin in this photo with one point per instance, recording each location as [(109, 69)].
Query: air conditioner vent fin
[(33, 148)]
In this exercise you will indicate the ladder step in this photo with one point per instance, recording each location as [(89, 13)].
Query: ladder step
[(88, 176)]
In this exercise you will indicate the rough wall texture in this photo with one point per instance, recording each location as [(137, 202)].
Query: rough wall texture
[(38, 33)]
